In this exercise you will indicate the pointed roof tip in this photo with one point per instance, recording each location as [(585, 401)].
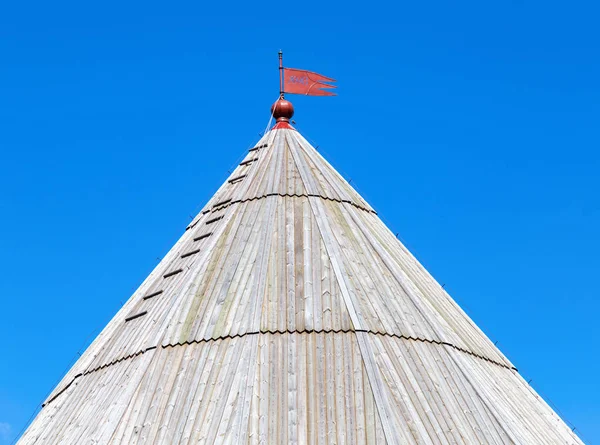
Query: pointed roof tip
[(282, 110)]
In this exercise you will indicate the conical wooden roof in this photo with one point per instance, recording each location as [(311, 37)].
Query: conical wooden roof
[(289, 313)]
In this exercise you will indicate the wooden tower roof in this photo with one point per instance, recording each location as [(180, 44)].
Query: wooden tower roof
[(288, 313)]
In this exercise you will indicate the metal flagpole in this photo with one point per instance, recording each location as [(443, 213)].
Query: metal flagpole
[(281, 74)]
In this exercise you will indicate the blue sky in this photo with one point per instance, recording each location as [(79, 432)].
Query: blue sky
[(472, 127)]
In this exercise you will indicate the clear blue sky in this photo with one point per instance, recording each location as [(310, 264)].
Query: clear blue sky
[(472, 127)]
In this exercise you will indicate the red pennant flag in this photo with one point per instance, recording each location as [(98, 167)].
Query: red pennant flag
[(306, 82)]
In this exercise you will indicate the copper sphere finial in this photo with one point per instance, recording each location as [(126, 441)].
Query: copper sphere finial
[(282, 110)]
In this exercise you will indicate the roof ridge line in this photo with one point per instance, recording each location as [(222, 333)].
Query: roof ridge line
[(330, 173), (270, 142), (413, 292)]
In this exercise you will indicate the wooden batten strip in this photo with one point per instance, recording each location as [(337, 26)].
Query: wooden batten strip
[(153, 294), (258, 147), (133, 317), (237, 178), (210, 221), (201, 237), (170, 274), (218, 204), (193, 252), (249, 161)]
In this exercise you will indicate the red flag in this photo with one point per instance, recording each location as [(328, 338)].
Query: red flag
[(306, 82)]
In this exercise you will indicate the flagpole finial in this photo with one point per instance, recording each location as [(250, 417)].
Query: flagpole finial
[(282, 110)]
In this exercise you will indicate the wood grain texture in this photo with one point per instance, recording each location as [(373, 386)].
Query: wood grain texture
[(295, 316)]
